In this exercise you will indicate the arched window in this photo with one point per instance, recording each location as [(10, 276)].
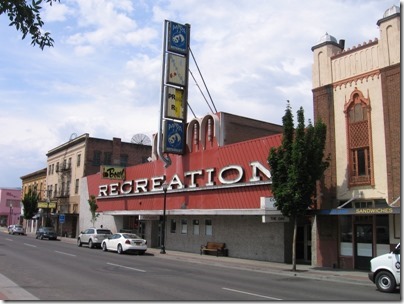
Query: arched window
[(360, 163)]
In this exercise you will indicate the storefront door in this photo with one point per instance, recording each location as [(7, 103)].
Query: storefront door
[(363, 246)]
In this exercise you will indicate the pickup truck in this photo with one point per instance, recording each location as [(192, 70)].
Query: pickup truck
[(385, 270)]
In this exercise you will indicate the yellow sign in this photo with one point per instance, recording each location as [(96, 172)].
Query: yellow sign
[(175, 103), (47, 205), (113, 172)]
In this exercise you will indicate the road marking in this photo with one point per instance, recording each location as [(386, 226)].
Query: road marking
[(30, 245), (252, 294), (65, 253), (126, 267)]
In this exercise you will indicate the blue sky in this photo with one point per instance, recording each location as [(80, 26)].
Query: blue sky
[(103, 75)]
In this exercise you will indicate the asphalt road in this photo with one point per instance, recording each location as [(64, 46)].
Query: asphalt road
[(55, 270)]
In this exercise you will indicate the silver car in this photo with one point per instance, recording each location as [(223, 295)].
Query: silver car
[(93, 237), (16, 229)]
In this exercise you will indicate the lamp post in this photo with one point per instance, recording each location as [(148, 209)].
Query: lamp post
[(163, 228), (11, 213)]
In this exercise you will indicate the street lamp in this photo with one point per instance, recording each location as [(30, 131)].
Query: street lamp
[(163, 228), (11, 213)]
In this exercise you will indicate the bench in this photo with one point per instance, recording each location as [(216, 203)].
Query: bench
[(214, 247)]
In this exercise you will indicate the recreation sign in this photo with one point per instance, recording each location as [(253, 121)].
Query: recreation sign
[(174, 93)]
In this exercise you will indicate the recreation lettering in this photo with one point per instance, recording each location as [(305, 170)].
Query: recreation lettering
[(228, 175)]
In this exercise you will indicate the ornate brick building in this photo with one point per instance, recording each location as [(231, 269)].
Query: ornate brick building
[(356, 92)]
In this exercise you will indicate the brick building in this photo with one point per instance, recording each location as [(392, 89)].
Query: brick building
[(356, 92), (35, 181), (79, 157)]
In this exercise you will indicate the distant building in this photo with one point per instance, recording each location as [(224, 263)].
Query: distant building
[(356, 92), (10, 206), (36, 182), (58, 184)]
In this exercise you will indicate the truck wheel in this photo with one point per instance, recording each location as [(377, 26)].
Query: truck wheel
[(385, 281)]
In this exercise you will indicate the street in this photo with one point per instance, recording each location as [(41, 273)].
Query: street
[(55, 270)]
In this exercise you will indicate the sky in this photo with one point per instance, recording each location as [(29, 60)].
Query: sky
[(104, 74)]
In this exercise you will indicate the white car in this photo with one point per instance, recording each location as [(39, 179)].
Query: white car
[(124, 242), (16, 229)]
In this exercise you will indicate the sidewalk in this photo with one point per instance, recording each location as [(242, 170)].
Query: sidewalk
[(303, 271)]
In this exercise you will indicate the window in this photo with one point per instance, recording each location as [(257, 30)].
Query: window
[(56, 190), (107, 158), (97, 158), (53, 168), (359, 139), (78, 160), (184, 226), (124, 160), (57, 167), (208, 227), (69, 163), (76, 187), (173, 226), (195, 224), (50, 170)]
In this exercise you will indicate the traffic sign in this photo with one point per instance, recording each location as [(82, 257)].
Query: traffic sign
[(61, 218)]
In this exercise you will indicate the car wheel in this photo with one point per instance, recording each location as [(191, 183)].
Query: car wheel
[(120, 250), (36, 236), (385, 281), (90, 244), (79, 242), (41, 237), (141, 252), (104, 247)]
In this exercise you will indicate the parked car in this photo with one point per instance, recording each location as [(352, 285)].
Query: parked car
[(93, 237), (46, 233), (385, 270), (16, 229), (125, 242)]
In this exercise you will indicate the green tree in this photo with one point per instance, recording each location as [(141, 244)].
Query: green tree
[(93, 209), (30, 203), (27, 19), (296, 166)]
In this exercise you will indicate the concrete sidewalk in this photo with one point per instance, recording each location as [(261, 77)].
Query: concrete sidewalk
[(303, 271)]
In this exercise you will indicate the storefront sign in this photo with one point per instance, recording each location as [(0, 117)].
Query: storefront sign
[(113, 172), (148, 217), (46, 205), (188, 180), (274, 219)]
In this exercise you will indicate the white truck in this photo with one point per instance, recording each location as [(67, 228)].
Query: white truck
[(385, 270)]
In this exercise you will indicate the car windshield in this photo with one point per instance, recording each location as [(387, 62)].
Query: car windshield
[(17, 226), (104, 231), (48, 229), (130, 236)]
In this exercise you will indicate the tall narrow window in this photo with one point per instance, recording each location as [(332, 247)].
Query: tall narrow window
[(357, 111), (97, 158), (76, 186), (184, 226), (208, 227), (78, 160)]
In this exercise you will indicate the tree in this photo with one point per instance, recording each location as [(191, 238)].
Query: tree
[(296, 166), (26, 18), (30, 203), (93, 209)]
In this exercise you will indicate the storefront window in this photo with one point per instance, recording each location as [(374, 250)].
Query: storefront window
[(345, 228), (208, 227), (184, 226), (382, 229), (195, 224), (173, 226)]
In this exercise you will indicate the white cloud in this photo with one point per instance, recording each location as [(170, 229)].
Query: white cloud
[(103, 77)]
